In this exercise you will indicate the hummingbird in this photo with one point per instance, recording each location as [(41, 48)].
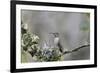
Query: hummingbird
[(57, 42)]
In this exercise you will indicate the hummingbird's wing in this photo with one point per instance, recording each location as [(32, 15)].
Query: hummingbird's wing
[(60, 47)]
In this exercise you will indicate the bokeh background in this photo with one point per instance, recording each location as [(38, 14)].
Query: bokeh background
[(73, 29)]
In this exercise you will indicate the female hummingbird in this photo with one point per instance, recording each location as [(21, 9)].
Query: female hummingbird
[(57, 42)]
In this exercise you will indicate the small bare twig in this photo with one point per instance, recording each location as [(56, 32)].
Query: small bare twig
[(76, 49)]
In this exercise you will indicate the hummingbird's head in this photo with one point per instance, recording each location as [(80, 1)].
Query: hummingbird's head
[(55, 34)]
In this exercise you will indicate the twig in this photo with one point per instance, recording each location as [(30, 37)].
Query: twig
[(74, 50)]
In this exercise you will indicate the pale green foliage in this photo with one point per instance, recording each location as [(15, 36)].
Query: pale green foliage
[(85, 26), (26, 57)]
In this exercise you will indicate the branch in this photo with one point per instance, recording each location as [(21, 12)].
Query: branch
[(76, 49)]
